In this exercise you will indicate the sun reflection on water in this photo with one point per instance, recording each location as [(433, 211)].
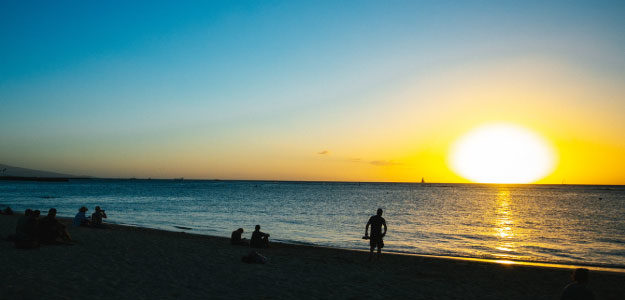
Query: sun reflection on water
[(504, 224)]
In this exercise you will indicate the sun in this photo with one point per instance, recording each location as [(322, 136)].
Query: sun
[(502, 153)]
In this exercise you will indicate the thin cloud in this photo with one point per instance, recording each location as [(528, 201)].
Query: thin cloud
[(324, 152), (384, 163)]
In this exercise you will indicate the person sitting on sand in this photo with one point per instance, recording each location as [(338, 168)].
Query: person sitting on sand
[(81, 219), (96, 218), (254, 258), (7, 211), (376, 238), (235, 238), (26, 231), (51, 231), (577, 289), (259, 239)]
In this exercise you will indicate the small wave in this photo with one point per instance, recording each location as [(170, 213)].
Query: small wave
[(182, 227), (616, 252), (542, 249), (612, 241), (553, 252), (294, 242), (291, 221), (475, 237), (47, 197)]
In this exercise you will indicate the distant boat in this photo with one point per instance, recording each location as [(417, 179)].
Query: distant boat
[(422, 180)]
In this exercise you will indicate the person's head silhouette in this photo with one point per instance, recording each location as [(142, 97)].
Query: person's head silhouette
[(379, 212), (580, 275), (257, 227)]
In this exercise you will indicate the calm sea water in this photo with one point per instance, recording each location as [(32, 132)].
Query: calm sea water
[(546, 223)]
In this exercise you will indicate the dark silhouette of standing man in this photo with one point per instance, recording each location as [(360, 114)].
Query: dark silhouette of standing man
[(375, 240)]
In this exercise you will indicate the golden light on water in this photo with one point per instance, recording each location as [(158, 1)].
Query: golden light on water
[(502, 153), (504, 223)]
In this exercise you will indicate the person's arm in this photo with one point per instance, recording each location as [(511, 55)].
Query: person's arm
[(103, 215), (367, 228), (384, 223)]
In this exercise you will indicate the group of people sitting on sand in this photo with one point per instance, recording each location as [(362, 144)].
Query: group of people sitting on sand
[(81, 218), (32, 231), (258, 240)]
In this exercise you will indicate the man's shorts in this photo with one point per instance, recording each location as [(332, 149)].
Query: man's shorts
[(376, 242)]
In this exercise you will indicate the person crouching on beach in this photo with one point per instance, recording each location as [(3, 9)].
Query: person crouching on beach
[(259, 239), (96, 218), (577, 289), (376, 238), (235, 238), (81, 219), (51, 231)]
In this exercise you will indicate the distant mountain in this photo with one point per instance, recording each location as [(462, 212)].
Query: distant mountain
[(6, 170)]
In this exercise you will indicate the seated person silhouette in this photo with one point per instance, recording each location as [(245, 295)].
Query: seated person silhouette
[(254, 258), (259, 239), (235, 238), (96, 218), (51, 231), (81, 219), (26, 231), (6, 211), (577, 289)]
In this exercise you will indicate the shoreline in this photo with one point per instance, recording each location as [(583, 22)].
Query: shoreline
[(128, 262), (558, 265)]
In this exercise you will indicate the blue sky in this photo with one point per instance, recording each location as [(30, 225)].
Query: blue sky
[(87, 84)]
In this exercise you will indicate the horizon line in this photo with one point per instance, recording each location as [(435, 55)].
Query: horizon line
[(282, 180)]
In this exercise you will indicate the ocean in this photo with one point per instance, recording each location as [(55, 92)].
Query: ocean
[(565, 224)]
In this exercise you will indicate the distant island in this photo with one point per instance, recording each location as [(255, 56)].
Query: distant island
[(8, 172)]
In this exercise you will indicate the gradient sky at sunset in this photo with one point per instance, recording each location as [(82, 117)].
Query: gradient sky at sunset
[(337, 90)]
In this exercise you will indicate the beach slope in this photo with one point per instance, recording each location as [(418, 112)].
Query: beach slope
[(137, 263)]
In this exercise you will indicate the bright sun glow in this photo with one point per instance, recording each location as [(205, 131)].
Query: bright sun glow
[(502, 153)]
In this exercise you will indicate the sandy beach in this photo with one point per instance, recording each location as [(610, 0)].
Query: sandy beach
[(126, 262)]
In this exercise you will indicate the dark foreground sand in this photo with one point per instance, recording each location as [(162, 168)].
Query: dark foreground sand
[(137, 263)]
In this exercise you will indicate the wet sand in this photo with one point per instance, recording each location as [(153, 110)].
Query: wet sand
[(137, 263)]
